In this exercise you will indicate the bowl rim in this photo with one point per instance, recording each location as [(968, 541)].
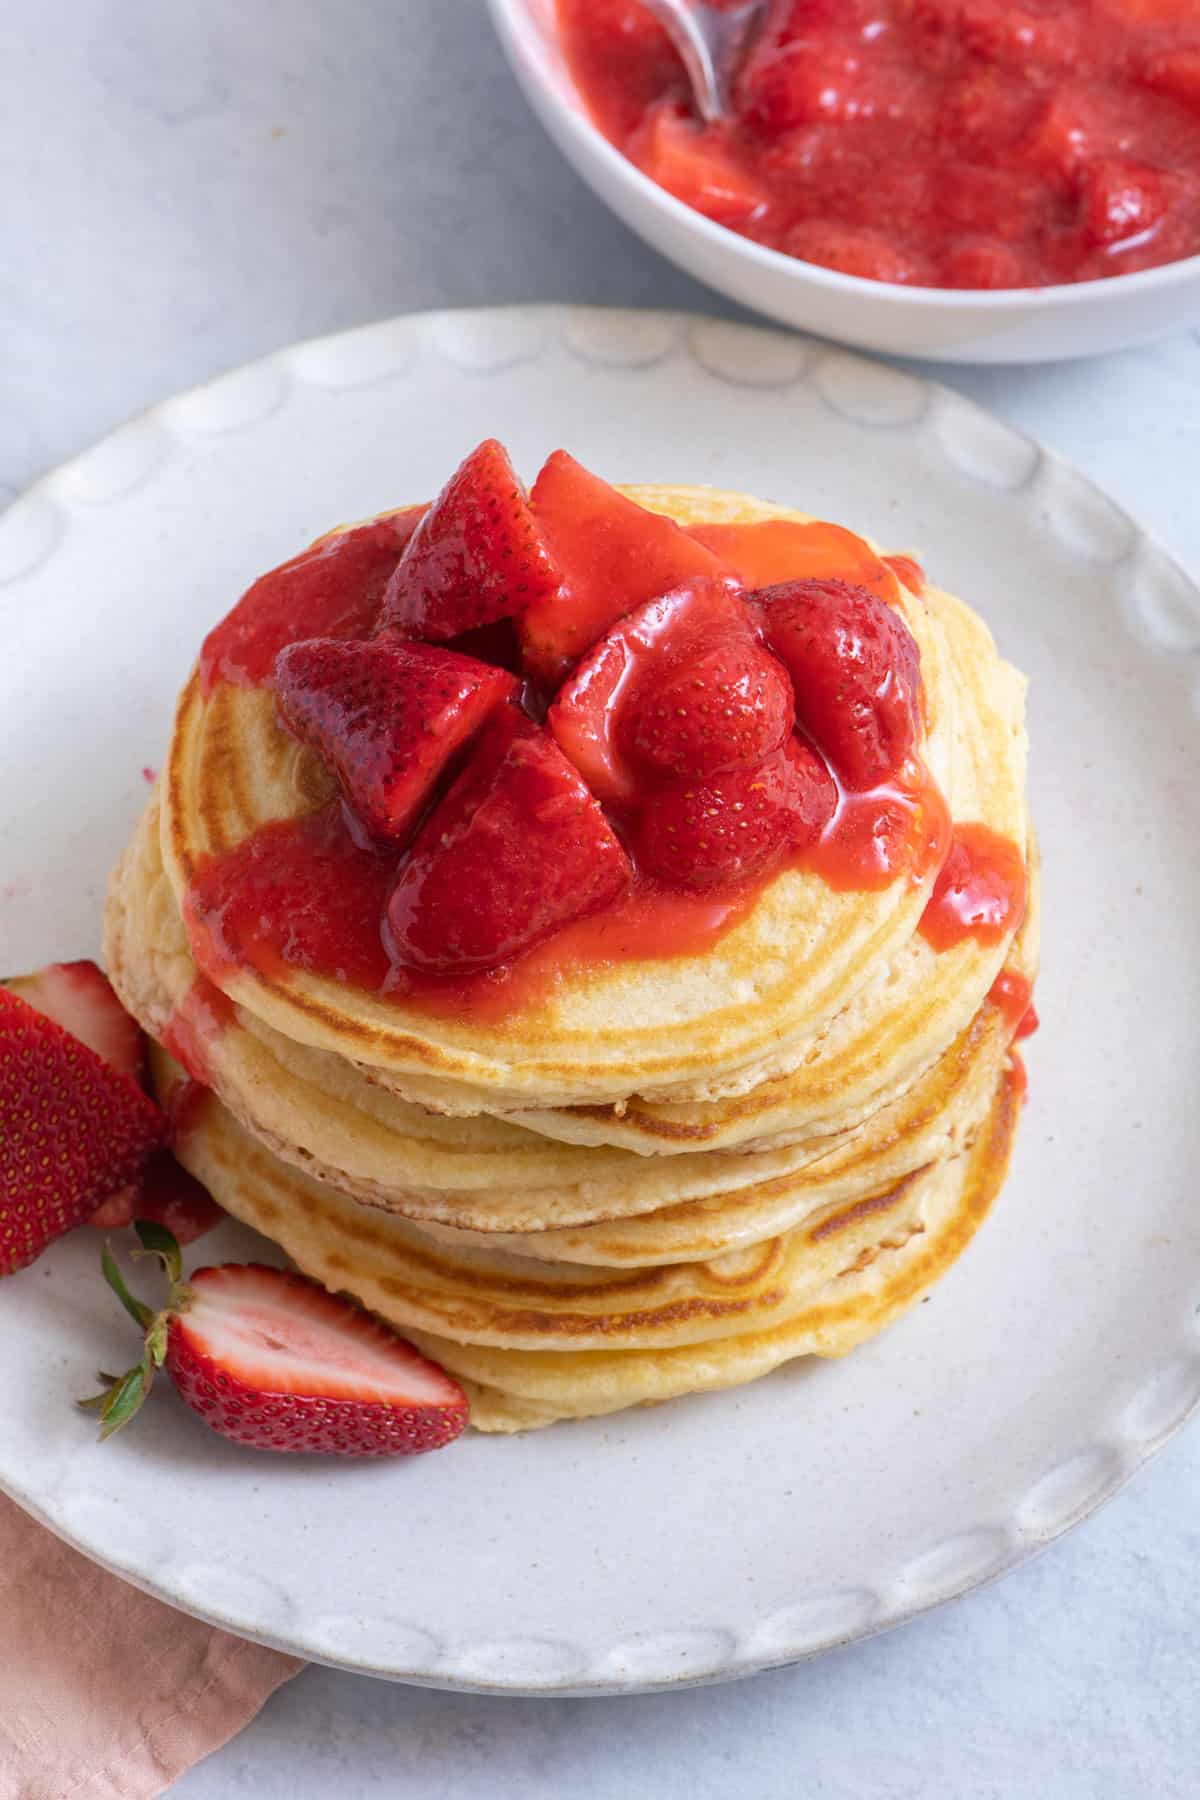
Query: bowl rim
[(515, 28)]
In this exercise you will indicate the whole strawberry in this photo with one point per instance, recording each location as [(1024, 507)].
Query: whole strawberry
[(271, 1360)]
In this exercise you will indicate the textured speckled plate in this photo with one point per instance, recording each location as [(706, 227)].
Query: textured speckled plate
[(731, 1532)]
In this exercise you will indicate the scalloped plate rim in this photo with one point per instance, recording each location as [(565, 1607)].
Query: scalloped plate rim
[(1020, 1544)]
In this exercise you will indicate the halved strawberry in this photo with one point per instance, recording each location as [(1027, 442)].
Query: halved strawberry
[(386, 717), (168, 1195), (72, 1130), (517, 848), (586, 713), (613, 556), (737, 824), (272, 1360), (80, 998), (476, 556), (855, 669)]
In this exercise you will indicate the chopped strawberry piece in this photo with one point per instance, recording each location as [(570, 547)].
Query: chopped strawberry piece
[(613, 556), (386, 717), (585, 716), (737, 824), (168, 1195), (517, 848), (1020, 37), (271, 1360), (727, 705), (850, 252), (807, 82), (72, 1130), (1120, 199), (79, 997), (1175, 73), (1072, 127), (692, 164), (981, 263), (476, 556), (856, 672)]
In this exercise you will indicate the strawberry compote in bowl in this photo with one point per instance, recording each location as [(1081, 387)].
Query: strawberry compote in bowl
[(1089, 206)]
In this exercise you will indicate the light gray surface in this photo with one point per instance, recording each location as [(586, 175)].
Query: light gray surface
[(186, 187)]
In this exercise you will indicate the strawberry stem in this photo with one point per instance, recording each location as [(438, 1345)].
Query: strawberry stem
[(137, 1310), (122, 1395), (157, 1241)]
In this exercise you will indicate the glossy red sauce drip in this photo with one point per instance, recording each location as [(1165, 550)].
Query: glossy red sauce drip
[(948, 143), (296, 894), (902, 828), (201, 1016), (774, 550), (980, 892), (1020, 1077), (184, 1109), (908, 571), (1012, 993), (302, 895), (332, 589)]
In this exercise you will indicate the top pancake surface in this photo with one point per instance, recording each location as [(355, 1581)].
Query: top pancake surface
[(693, 1025)]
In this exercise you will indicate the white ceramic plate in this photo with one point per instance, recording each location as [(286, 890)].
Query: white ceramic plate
[(731, 1532)]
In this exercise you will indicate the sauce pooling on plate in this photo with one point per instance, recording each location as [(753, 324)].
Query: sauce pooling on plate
[(941, 143)]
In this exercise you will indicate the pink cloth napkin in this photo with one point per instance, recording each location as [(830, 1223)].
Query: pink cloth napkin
[(106, 1694)]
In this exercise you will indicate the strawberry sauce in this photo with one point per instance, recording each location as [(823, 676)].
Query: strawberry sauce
[(334, 589), (1012, 994), (874, 837), (939, 143), (302, 895), (312, 895), (200, 1017), (980, 892), (773, 550)]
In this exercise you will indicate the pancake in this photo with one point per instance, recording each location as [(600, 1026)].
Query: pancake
[(649, 1178), (690, 1027), (539, 1343), (488, 1176)]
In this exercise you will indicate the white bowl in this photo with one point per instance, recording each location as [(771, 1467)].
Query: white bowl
[(1026, 325)]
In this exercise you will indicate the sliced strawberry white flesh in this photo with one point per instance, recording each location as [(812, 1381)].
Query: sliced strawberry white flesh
[(80, 998), (271, 1360), (279, 1334)]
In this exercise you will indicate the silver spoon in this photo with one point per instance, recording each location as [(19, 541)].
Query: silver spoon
[(712, 42)]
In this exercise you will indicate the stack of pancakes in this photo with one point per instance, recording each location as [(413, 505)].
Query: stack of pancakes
[(659, 1177)]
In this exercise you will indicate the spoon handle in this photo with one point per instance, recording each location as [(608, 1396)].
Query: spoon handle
[(711, 42)]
